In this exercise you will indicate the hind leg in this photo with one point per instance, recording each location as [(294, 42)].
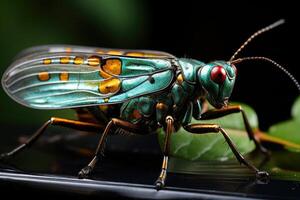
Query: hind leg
[(78, 125)]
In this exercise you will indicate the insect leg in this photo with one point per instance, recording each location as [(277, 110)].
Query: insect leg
[(206, 128), (113, 123), (212, 114), (85, 126), (160, 182)]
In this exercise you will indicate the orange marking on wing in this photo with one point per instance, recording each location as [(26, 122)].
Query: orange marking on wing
[(111, 67), (47, 61), (43, 76), (115, 52), (64, 60), (103, 74), (153, 55), (94, 61), (109, 85), (135, 54), (68, 49), (64, 76), (100, 51), (78, 60)]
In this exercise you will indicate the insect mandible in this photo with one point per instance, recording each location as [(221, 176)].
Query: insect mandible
[(129, 91)]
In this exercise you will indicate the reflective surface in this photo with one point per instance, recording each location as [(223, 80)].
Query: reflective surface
[(130, 168)]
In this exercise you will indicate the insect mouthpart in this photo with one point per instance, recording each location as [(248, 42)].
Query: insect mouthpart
[(222, 104), (219, 103), (226, 99)]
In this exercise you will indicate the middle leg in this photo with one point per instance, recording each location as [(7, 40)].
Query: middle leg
[(160, 182), (113, 123)]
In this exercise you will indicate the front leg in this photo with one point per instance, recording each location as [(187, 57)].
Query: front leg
[(212, 114), (207, 128)]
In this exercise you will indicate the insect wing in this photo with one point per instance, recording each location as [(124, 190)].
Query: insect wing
[(65, 80), (38, 50)]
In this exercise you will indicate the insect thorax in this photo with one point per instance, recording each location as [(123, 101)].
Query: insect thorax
[(178, 100)]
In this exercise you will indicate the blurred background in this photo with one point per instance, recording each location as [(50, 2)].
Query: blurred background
[(204, 31)]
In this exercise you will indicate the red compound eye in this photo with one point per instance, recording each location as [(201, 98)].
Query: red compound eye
[(218, 74)]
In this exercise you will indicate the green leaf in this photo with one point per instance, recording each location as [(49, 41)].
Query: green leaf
[(296, 109), (289, 130), (212, 146), (282, 165)]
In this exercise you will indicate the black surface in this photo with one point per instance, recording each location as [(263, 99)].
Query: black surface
[(132, 181), (49, 170), (61, 185)]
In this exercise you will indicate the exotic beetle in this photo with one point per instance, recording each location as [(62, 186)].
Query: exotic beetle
[(115, 91)]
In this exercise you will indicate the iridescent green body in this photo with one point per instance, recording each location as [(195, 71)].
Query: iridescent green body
[(141, 87), (176, 100)]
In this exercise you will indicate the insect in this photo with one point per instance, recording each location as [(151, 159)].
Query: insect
[(129, 91)]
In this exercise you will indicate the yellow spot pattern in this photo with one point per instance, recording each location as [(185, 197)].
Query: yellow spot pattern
[(143, 54), (135, 54), (109, 86), (111, 67), (100, 51), (115, 52), (78, 60), (68, 50), (64, 76), (153, 55), (64, 60), (47, 61), (43, 76), (103, 74), (94, 61)]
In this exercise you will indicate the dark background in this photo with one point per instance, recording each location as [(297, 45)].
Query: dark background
[(206, 30)]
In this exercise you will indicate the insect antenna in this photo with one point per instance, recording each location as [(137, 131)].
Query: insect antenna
[(271, 26), (239, 60)]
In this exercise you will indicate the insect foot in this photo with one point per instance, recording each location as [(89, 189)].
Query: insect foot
[(85, 172), (4, 157), (159, 184), (262, 177)]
